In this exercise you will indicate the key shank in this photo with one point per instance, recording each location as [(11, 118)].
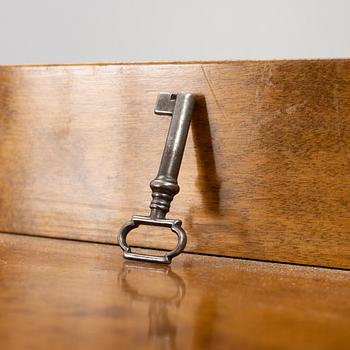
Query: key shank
[(164, 186)]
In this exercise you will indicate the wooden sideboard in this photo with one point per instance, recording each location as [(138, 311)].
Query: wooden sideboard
[(265, 186), (61, 294)]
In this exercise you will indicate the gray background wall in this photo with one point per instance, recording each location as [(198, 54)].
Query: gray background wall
[(73, 31)]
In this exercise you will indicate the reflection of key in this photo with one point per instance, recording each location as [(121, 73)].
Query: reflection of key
[(164, 186), (163, 292)]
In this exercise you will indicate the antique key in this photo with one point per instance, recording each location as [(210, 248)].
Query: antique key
[(164, 187)]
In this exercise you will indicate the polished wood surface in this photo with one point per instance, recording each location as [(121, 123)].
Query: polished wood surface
[(265, 173), (57, 294)]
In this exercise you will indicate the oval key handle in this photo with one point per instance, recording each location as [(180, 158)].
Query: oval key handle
[(136, 221), (164, 187)]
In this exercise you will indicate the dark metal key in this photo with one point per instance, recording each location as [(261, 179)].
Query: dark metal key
[(164, 186)]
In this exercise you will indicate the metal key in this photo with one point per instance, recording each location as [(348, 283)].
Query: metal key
[(164, 186)]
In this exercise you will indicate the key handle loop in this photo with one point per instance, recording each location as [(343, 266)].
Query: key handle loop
[(136, 221)]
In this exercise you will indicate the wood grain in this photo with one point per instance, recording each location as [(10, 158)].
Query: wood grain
[(265, 173), (71, 295)]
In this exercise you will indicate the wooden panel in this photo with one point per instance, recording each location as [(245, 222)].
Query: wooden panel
[(71, 295), (265, 173)]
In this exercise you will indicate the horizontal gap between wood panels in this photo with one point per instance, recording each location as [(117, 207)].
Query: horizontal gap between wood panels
[(187, 252)]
